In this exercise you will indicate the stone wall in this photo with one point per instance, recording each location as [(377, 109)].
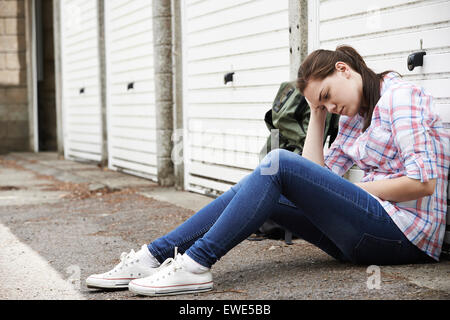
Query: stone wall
[(14, 125)]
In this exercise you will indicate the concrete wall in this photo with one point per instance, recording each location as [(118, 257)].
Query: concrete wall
[(162, 46), (14, 125), (298, 35)]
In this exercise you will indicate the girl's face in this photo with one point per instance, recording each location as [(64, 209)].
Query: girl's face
[(340, 93)]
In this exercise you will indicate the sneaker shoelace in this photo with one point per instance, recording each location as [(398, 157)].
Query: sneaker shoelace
[(170, 265), (124, 259)]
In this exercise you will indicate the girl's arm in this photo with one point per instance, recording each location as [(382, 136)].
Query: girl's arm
[(313, 146), (399, 189), (408, 111)]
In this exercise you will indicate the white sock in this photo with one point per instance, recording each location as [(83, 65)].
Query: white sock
[(147, 258), (192, 265)]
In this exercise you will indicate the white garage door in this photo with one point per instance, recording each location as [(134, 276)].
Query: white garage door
[(80, 75), (224, 123), (130, 93), (385, 32)]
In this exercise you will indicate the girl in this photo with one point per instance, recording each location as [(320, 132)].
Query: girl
[(395, 215)]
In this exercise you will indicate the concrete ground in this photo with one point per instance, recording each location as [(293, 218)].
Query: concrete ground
[(61, 221)]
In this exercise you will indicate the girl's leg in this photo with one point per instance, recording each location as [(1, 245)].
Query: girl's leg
[(287, 215), (193, 228), (196, 226), (349, 216)]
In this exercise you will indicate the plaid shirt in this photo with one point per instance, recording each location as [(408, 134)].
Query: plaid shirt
[(405, 138)]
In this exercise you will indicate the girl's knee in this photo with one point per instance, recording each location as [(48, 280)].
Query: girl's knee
[(276, 160), (275, 154), (282, 155)]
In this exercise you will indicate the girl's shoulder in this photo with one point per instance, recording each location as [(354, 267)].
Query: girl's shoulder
[(396, 91), (394, 81)]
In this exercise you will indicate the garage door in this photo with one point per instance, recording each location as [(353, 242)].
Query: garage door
[(224, 122), (130, 93), (80, 76), (385, 32)]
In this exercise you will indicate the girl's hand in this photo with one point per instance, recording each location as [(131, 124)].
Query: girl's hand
[(358, 184), (313, 146), (318, 113)]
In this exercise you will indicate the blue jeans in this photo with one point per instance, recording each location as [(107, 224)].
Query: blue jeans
[(312, 202)]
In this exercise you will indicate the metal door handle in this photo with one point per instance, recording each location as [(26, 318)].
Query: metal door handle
[(228, 77), (415, 60)]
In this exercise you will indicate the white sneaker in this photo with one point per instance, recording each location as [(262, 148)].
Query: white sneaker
[(172, 278), (130, 267)]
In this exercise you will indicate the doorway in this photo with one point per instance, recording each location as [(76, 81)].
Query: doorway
[(45, 76)]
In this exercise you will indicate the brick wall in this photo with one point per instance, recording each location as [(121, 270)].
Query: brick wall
[(14, 125)]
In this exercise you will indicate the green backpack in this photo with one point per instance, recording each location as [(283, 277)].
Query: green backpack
[(290, 115)]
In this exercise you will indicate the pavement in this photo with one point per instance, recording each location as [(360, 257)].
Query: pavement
[(62, 220)]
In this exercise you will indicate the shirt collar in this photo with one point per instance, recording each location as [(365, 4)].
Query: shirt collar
[(387, 81)]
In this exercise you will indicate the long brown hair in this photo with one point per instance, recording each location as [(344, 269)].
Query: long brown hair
[(321, 63)]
